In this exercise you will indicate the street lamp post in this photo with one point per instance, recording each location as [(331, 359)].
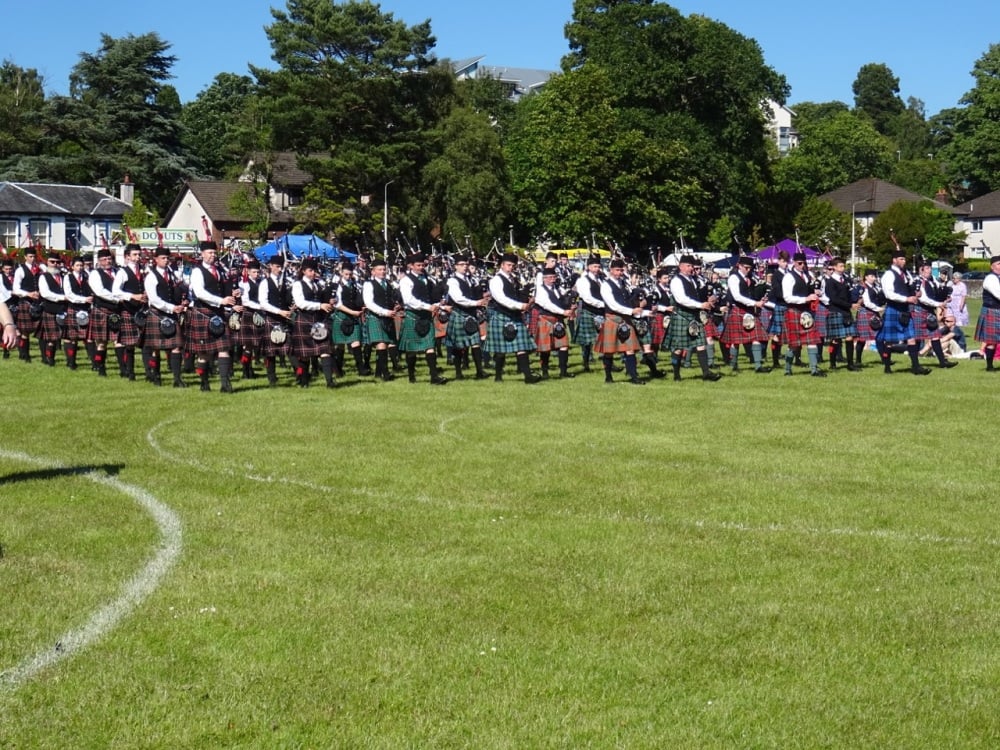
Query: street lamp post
[(385, 215), (854, 270)]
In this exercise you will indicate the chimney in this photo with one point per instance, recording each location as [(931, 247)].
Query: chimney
[(126, 191), (942, 196)]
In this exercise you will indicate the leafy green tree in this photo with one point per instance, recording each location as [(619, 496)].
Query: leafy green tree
[(720, 237), (22, 102), (876, 95), (808, 114), (922, 227), (216, 124), (823, 226)]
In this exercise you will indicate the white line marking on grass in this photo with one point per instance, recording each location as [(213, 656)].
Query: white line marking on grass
[(443, 426), (894, 536), (140, 586)]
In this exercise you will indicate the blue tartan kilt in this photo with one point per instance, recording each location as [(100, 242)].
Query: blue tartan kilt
[(303, 345), (765, 318), (608, 342), (99, 325), (794, 334), (409, 339), (456, 336), (863, 324), (154, 338), (586, 328), (379, 330), (735, 334), (199, 339), (776, 326), (988, 326), (27, 325), (496, 343), (822, 313), (893, 329), (835, 328), (268, 347), (921, 315), (356, 334), (129, 334), (546, 340), (677, 335)]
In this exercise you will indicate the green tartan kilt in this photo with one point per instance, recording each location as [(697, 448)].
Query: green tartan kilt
[(456, 337), (586, 328), (379, 330), (677, 332), (409, 340), (339, 337), (497, 344), (608, 343)]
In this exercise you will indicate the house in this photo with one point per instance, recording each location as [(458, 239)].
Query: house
[(211, 202), (981, 223), (61, 217), (785, 136), (518, 81), (867, 198)]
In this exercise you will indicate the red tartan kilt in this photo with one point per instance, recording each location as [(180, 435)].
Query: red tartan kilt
[(268, 347), (249, 335), (920, 317), (711, 329), (49, 330), (199, 340), (534, 315), (607, 337), (75, 332), (794, 334), (99, 325), (657, 330), (988, 326), (302, 343), (154, 339), (545, 340), (22, 318), (735, 334), (129, 334)]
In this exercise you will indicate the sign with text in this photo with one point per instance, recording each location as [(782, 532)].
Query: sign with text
[(171, 237)]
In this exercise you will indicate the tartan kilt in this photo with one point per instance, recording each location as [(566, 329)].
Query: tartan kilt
[(533, 316), (545, 340), (75, 332), (99, 325), (586, 328), (129, 334), (303, 345), (248, 337), (269, 348), (608, 343), (920, 317), (794, 334), (440, 329), (712, 329), (657, 329), (735, 334), (822, 315), (766, 315), (863, 324), (339, 338), (199, 340), (25, 323), (677, 336), (409, 340), (497, 344), (379, 330), (457, 337), (988, 326), (892, 328), (835, 328), (776, 326), (49, 329), (154, 338)]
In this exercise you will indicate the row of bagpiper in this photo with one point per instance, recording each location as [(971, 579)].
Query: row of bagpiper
[(203, 321)]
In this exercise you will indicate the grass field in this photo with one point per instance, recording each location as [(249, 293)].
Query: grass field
[(761, 562)]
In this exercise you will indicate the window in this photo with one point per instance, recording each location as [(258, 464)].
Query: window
[(40, 232), (977, 225), (8, 233), (73, 235)]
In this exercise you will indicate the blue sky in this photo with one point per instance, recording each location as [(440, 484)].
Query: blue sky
[(930, 46)]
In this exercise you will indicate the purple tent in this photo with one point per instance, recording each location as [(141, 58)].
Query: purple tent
[(770, 254)]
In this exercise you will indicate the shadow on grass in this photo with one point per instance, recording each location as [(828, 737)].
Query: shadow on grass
[(54, 473)]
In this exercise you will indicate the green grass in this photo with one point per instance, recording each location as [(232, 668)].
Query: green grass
[(759, 562)]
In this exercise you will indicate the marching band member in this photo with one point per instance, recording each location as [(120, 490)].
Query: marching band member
[(128, 288), (663, 307), (740, 329), (50, 289), (208, 334), (277, 316), (776, 298), (931, 303), (463, 325), (76, 287), (800, 325), (248, 338), (310, 332), (870, 310), (104, 317), (686, 330), (24, 291), (417, 333), (617, 334), (988, 325), (348, 322), (588, 288), (379, 320), (163, 328), (840, 328), (897, 325), (506, 332), (6, 285), (553, 323)]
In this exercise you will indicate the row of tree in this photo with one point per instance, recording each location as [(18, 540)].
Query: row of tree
[(653, 131)]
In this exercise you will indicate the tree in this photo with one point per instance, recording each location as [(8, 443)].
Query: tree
[(221, 125), (823, 226), (22, 102), (876, 95), (923, 226)]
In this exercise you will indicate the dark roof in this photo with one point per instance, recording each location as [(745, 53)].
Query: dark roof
[(984, 207), (67, 200), (873, 196), (216, 197), (285, 171)]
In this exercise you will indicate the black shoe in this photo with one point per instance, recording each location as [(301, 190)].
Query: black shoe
[(948, 364), (387, 377), (636, 381), (482, 376), (818, 374), (567, 375), (920, 370), (762, 370), (788, 373), (439, 380), (180, 384), (331, 383), (658, 374), (206, 387), (711, 376), (544, 375), (800, 363), (412, 378), (853, 368), (532, 378)]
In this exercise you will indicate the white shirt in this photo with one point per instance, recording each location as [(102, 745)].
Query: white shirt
[(680, 295), (544, 300), (149, 284), (71, 296), (299, 297), (788, 287), (497, 292), (889, 285), (368, 295), (406, 291), (733, 284), (96, 278), (47, 292), (583, 290)]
